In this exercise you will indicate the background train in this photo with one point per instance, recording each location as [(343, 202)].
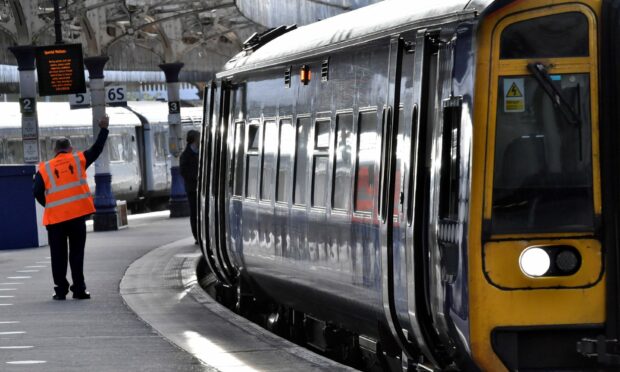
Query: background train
[(137, 144), (375, 184)]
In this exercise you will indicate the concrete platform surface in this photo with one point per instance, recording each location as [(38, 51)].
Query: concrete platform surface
[(177, 326)]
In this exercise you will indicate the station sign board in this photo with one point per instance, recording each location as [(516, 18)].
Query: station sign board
[(116, 95), (79, 100), (31, 150), (60, 69)]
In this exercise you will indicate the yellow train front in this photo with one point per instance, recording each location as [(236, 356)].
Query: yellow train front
[(436, 184)]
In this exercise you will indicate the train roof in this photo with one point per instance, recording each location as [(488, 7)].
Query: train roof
[(369, 22), (157, 112)]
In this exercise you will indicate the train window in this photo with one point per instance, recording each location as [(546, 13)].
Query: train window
[(160, 146), (253, 137), (319, 174), (545, 37), (320, 163), (367, 148), (321, 134), (79, 143), (252, 160), (2, 152), (341, 193), (14, 152), (115, 148), (301, 160), (41, 150), (253, 164), (450, 158), (128, 146), (238, 159), (543, 175), (270, 147), (285, 159)]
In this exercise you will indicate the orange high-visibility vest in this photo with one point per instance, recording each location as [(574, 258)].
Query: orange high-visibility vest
[(67, 195)]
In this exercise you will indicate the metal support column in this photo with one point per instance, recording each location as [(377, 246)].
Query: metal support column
[(25, 56), (105, 217), (179, 206)]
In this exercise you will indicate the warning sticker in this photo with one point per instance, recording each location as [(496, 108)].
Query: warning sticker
[(514, 95)]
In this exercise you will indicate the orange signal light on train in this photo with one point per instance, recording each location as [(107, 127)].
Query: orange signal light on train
[(305, 75)]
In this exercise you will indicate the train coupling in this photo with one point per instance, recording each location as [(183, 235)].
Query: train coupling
[(606, 351)]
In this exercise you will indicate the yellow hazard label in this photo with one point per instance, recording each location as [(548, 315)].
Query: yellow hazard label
[(514, 91), (514, 94), (515, 105)]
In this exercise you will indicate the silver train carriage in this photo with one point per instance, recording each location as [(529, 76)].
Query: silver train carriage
[(426, 185)]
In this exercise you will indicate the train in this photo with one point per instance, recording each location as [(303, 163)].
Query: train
[(138, 145), (424, 186)]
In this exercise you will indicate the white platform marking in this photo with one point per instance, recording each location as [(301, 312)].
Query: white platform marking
[(18, 277), (27, 362), (12, 333), (16, 347)]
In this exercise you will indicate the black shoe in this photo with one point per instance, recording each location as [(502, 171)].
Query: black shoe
[(82, 295), (59, 297)]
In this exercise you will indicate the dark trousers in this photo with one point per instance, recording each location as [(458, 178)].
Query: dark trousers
[(192, 199), (73, 232)]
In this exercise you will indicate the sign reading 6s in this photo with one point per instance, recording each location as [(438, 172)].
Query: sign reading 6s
[(115, 95)]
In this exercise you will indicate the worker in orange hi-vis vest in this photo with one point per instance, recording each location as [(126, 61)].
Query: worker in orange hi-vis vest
[(61, 187)]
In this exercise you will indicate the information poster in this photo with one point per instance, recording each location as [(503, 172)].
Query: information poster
[(60, 69)]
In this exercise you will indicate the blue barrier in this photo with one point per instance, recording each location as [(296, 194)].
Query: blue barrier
[(20, 214)]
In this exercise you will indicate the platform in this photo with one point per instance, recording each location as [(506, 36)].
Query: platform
[(147, 312)]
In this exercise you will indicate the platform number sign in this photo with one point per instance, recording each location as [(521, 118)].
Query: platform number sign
[(80, 100), (174, 107), (115, 95), (27, 105)]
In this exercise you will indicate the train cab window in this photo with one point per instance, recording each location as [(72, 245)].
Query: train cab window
[(543, 172), (543, 158), (238, 158), (270, 148), (285, 160), (341, 192), (252, 160), (301, 160), (320, 160), (545, 37), (367, 147)]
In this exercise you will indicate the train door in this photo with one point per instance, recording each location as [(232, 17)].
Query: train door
[(204, 176), (217, 226), (402, 260), (416, 66)]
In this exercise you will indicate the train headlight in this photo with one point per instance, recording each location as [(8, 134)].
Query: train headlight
[(535, 262)]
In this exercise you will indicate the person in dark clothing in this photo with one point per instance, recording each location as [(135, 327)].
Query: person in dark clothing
[(189, 171), (65, 194)]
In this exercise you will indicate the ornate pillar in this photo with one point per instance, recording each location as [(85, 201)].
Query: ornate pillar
[(179, 206), (105, 217)]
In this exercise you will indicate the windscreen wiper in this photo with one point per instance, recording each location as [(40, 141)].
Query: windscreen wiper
[(559, 102), (542, 76)]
